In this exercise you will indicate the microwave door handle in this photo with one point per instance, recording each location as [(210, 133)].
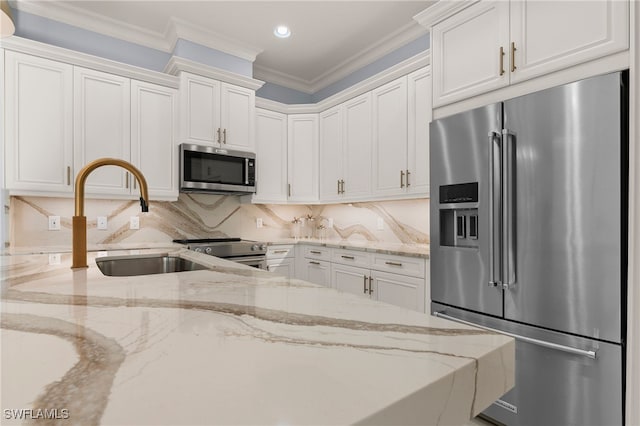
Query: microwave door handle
[(246, 171)]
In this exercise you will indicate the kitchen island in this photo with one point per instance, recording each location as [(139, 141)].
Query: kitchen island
[(230, 345)]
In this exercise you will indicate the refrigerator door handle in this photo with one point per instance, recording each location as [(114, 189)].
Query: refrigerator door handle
[(494, 138), (543, 343), (508, 210)]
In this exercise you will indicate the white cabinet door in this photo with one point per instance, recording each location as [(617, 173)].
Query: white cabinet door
[(237, 117), (303, 157), (200, 107), (39, 123), (102, 116), (284, 267), (153, 138), (349, 279), (271, 156), (318, 272), (357, 147), (466, 53), (419, 116), (551, 35), (399, 290), (390, 138), (331, 154)]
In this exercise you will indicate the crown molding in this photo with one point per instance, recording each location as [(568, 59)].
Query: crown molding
[(440, 11), (421, 60), (175, 29), (181, 29), (48, 51), (282, 79), (71, 15), (176, 65), (395, 40)]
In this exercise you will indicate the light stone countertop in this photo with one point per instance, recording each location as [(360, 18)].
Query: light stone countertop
[(232, 345), (401, 249)]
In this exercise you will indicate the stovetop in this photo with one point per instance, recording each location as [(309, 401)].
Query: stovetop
[(225, 247)]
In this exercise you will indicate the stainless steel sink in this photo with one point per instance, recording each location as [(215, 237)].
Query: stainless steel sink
[(145, 264)]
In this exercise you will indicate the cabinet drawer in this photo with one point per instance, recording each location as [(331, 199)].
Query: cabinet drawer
[(412, 266), (280, 251), (351, 257), (315, 252)]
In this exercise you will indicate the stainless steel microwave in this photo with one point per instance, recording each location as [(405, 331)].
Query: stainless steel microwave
[(216, 170)]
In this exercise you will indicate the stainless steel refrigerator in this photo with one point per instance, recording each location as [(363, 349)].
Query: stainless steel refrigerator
[(529, 237)]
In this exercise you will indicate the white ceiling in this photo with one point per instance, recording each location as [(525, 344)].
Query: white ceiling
[(329, 39)]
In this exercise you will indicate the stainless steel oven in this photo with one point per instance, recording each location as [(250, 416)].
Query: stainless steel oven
[(250, 253)]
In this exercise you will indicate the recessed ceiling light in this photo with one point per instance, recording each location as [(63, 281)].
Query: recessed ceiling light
[(282, 31)]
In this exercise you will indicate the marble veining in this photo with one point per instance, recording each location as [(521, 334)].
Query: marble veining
[(210, 216), (232, 338)]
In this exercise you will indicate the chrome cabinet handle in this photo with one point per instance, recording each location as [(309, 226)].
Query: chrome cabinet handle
[(342, 186), (501, 60), (313, 262), (347, 257), (408, 173), (394, 263), (219, 138), (370, 284), (126, 180), (365, 284), (68, 175), (315, 252), (493, 138), (401, 178), (543, 343), (513, 56), (224, 136), (289, 189), (338, 186)]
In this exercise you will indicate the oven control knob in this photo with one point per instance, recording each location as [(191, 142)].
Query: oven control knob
[(207, 250), (198, 250), (255, 247), (263, 247)]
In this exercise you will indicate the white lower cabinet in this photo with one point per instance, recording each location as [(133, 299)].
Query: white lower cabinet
[(318, 272), (394, 279), (281, 260)]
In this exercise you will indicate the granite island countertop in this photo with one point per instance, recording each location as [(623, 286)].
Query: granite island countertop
[(231, 345)]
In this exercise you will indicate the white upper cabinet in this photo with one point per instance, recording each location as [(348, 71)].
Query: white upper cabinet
[(39, 124), (216, 113), (419, 117), (271, 157), (469, 52), (390, 138), (550, 35), (345, 150), (492, 44), (357, 150), (237, 117), (153, 138), (331, 154), (102, 120), (302, 161)]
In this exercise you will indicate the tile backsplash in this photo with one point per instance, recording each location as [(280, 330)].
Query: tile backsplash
[(209, 216)]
